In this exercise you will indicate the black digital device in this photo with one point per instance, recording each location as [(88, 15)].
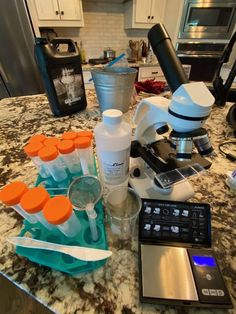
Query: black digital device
[(209, 281), (177, 265)]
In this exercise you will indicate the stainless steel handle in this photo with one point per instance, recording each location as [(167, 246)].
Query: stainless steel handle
[(197, 55)]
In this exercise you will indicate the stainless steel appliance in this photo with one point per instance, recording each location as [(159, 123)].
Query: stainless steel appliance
[(202, 56), (18, 70), (208, 19)]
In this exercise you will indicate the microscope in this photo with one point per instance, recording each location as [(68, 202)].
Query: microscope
[(185, 114)]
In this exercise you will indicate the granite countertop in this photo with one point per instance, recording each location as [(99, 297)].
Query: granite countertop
[(112, 288)]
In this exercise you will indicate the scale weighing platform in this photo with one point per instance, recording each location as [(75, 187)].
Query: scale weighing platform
[(177, 265)]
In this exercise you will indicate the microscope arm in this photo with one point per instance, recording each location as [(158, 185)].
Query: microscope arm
[(151, 114)]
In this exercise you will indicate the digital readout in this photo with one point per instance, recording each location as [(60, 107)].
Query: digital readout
[(204, 261)]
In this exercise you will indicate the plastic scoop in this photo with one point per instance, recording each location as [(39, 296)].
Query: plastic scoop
[(84, 192)]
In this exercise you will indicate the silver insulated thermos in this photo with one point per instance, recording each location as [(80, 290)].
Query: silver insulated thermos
[(62, 75)]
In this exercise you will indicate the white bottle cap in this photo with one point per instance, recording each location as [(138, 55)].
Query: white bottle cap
[(112, 116)]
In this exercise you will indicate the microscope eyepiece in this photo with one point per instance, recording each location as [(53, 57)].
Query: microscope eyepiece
[(167, 57)]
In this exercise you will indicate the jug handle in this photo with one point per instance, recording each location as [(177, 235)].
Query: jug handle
[(71, 44)]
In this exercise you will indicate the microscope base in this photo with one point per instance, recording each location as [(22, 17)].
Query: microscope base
[(145, 187)]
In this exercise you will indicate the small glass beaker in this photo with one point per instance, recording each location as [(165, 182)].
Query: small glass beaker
[(122, 212)]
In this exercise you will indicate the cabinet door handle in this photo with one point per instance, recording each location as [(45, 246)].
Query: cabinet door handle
[(152, 17), (57, 12), (149, 16), (62, 12), (155, 72)]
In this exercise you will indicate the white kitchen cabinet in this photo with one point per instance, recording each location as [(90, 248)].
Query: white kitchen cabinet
[(150, 72), (56, 13), (144, 13)]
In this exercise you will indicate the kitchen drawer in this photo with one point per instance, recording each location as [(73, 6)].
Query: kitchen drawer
[(150, 72)]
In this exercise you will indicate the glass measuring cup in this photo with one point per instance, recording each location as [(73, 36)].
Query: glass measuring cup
[(84, 192)]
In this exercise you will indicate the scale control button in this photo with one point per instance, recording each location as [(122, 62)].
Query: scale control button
[(148, 210), (165, 211), (176, 212), (209, 277), (157, 211), (175, 229), (201, 215), (195, 234), (220, 293), (157, 228), (147, 227), (213, 292), (165, 228), (185, 213), (205, 292)]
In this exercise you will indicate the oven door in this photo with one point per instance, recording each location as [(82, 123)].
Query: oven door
[(208, 19)]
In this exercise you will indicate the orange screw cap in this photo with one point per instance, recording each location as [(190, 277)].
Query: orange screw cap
[(82, 142), (33, 148), (48, 153), (85, 134), (57, 210), (51, 141), (66, 146), (34, 200), (37, 138), (12, 193), (71, 135)]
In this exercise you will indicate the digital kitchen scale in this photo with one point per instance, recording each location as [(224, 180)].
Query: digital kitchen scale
[(177, 265)]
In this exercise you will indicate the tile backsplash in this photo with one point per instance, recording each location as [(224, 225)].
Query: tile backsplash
[(104, 27)]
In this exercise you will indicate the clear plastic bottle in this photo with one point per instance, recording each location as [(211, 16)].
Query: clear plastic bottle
[(113, 140), (11, 195), (50, 156), (85, 152), (33, 202), (69, 156), (32, 149), (58, 211)]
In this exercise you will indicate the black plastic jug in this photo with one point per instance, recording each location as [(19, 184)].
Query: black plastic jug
[(62, 75)]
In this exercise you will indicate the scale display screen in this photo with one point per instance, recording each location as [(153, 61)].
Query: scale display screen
[(204, 261)]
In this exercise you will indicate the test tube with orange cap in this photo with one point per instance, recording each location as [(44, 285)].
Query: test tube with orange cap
[(51, 141), (33, 202), (50, 156), (37, 138), (70, 135), (59, 212), (31, 151), (11, 195), (85, 152), (69, 156), (85, 133)]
